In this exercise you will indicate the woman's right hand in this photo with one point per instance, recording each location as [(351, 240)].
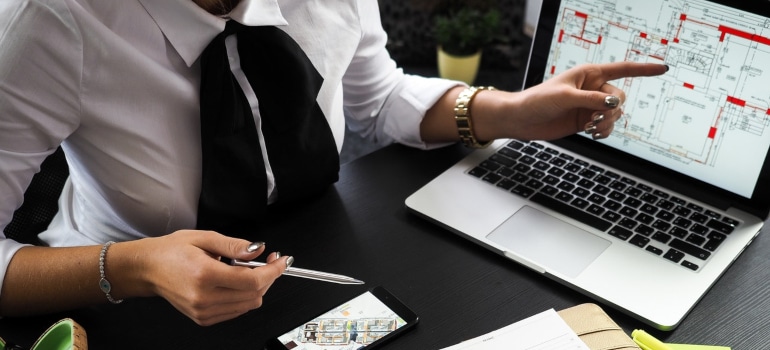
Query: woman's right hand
[(185, 268)]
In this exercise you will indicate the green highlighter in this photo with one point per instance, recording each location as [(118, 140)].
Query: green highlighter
[(648, 342)]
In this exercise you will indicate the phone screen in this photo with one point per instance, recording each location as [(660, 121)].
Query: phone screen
[(358, 323)]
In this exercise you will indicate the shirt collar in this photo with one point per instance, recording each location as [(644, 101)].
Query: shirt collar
[(189, 28)]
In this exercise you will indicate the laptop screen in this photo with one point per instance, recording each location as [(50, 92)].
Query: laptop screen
[(708, 118)]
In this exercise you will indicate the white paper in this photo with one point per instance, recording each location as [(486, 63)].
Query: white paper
[(544, 331)]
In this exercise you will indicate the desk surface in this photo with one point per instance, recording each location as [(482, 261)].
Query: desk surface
[(361, 228)]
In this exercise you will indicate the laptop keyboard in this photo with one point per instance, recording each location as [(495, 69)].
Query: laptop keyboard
[(651, 219)]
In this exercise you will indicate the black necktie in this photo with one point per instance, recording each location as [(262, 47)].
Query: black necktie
[(300, 145)]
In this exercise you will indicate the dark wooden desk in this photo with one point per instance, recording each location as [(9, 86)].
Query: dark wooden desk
[(361, 228)]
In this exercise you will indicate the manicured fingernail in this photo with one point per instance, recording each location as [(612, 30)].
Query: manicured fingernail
[(611, 101), (277, 255), (589, 128), (597, 135), (289, 261), (253, 247), (667, 68), (597, 118)]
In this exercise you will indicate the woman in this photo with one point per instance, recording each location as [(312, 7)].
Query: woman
[(116, 84)]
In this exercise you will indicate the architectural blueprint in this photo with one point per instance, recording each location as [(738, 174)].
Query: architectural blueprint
[(709, 116)]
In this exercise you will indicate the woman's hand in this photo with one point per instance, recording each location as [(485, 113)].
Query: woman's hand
[(577, 100), (184, 268)]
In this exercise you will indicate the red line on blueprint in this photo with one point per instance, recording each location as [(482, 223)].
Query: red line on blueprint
[(643, 35), (768, 111), (683, 17), (553, 69), (664, 41), (581, 15), (561, 35), (600, 40), (689, 86), (712, 132), (742, 34), (736, 101)]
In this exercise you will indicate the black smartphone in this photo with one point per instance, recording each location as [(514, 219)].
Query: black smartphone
[(363, 322)]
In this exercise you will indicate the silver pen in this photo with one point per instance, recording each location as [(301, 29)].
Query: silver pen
[(304, 273)]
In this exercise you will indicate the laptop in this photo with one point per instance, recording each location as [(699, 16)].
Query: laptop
[(648, 219)]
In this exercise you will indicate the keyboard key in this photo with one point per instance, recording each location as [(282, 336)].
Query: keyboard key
[(695, 239), (549, 190), (642, 217), (682, 222), (632, 202), (564, 196), (510, 153), (579, 203), (530, 150), (690, 265), (627, 223), (490, 165), (681, 210), (572, 212), (603, 179), (595, 209), (501, 160), (666, 204), (559, 162), (639, 241), (649, 209), (674, 255), (612, 205), (523, 191), (661, 237), (700, 218), (654, 250), (491, 178), (633, 192), (601, 190), (720, 226), (477, 172), (679, 232), (620, 232), (515, 144), (611, 216), (730, 221), (628, 181), (689, 249), (644, 230), (506, 184), (695, 207), (699, 229), (630, 212), (661, 225), (715, 240), (665, 215)]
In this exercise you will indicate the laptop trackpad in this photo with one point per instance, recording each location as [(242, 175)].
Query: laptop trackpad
[(549, 242)]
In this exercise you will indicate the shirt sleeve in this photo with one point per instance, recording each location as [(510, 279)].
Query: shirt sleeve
[(40, 69), (381, 102)]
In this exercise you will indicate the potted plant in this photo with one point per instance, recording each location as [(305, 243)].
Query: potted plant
[(461, 34)]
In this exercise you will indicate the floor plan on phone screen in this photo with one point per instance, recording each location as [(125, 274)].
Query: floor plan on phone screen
[(355, 324)]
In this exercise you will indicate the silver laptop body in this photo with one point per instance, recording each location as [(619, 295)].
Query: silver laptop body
[(693, 142)]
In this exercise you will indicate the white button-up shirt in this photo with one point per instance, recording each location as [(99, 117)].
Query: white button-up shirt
[(116, 83)]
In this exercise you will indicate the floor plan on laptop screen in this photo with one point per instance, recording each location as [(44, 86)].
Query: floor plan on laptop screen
[(709, 116)]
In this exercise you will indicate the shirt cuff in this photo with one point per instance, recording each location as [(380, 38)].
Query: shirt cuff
[(414, 96)]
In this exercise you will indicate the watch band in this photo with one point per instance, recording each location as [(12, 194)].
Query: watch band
[(463, 116)]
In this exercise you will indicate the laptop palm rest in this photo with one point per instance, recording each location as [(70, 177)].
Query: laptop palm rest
[(544, 240)]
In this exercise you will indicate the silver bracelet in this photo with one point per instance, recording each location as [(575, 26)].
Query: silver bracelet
[(104, 284)]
